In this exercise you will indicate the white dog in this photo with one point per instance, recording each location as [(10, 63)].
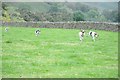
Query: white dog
[(93, 35), (6, 29), (81, 34), (37, 32)]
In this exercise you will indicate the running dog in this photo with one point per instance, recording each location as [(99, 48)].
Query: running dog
[(81, 34), (93, 35), (37, 32)]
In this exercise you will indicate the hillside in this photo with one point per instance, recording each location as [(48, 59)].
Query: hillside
[(61, 11), (45, 6), (103, 5)]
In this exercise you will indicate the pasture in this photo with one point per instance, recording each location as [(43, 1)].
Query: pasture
[(58, 53)]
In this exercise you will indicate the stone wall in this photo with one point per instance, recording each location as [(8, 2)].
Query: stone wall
[(67, 25)]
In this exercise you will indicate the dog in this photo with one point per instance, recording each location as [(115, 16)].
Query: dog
[(6, 29), (93, 35), (37, 32), (81, 34)]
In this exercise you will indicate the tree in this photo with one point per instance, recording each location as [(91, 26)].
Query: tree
[(82, 7), (5, 14), (78, 16), (93, 15), (111, 15), (54, 8), (114, 16), (4, 6)]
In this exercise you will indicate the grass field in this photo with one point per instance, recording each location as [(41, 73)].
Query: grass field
[(0, 52), (58, 53)]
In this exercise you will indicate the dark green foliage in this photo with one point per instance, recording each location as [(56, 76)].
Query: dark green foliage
[(114, 15), (4, 6), (111, 15), (54, 8), (78, 16), (3, 14)]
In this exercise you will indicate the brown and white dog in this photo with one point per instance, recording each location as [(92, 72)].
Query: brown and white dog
[(93, 35), (81, 34)]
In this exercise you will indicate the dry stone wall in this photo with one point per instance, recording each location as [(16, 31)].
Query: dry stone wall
[(67, 25)]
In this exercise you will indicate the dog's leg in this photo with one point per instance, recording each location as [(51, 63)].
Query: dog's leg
[(36, 34), (80, 38), (93, 38)]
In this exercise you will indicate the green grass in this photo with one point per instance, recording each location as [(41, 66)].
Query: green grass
[(0, 52), (58, 53)]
